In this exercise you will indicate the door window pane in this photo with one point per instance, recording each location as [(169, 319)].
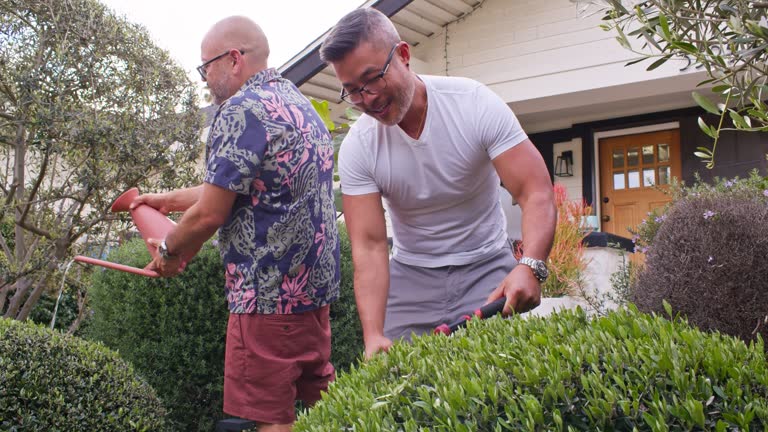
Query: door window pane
[(648, 155), (618, 158), (664, 175), (648, 177), (633, 157), (618, 181), (663, 152), (634, 178)]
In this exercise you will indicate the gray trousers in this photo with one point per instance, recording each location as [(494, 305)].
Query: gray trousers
[(421, 298)]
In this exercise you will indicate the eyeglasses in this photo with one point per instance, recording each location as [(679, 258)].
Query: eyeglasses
[(203, 68), (373, 86)]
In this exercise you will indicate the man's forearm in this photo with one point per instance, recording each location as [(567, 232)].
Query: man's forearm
[(538, 226), (181, 200), (193, 230), (372, 288)]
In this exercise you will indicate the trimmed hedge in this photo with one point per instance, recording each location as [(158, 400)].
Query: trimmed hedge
[(626, 371), (346, 331), (53, 382), (172, 330)]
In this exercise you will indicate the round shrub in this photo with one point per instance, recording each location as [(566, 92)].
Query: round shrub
[(346, 331), (172, 330), (622, 372), (708, 261), (53, 382)]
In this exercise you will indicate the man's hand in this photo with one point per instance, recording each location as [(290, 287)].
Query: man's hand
[(165, 267), (160, 202), (521, 288), (375, 345)]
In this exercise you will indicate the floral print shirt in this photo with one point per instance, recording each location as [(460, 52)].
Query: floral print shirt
[(280, 242)]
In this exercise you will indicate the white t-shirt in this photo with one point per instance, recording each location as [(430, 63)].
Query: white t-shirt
[(442, 189)]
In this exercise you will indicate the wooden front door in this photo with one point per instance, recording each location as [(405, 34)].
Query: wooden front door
[(634, 172)]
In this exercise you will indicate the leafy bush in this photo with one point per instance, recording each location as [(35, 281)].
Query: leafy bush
[(708, 261), (54, 382), (627, 371), (172, 330), (346, 331), (566, 260)]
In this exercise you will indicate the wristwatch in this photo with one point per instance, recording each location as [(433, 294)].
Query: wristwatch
[(539, 267), (163, 251)]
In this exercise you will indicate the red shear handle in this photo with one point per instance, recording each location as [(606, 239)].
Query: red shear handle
[(486, 311), (491, 309)]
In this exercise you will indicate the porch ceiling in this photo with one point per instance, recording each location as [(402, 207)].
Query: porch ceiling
[(415, 20)]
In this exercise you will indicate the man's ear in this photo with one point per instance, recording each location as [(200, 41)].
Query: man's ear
[(404, 51)]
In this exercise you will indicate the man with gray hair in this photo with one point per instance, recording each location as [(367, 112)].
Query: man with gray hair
[(434, 148), (268, 186)]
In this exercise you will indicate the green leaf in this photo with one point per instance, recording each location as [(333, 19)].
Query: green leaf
[(665, 26), (324, 112), (667, 308), (738, 120), (706, 129), (658, 63), (705, 103)]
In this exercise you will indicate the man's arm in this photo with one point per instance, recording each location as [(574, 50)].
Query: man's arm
[(364, 217), (523, 172), (178, 200), (197, 225)]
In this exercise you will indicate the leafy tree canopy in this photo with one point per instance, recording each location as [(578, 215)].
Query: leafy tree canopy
[(89, 106)]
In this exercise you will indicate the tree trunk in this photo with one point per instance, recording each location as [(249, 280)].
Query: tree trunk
[(39, 287), (21, 287)]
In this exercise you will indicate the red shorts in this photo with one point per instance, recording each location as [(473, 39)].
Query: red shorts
[(272, 360)]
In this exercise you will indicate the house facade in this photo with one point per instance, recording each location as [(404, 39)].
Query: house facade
[(608, 132)]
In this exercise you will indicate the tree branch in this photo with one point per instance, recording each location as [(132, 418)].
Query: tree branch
[(36, 186), (6, 250), (33, 229)]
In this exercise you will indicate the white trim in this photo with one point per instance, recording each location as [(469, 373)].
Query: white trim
[(615, 133)]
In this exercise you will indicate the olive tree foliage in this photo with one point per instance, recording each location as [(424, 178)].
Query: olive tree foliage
[(89, 107), (727, 38)]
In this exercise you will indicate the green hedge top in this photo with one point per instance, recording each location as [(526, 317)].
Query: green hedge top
[(53, 382), (627, 371)]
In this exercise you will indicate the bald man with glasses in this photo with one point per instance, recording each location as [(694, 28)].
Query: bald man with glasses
[(268, 190)]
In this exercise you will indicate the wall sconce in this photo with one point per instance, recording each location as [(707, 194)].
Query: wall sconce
[(564, 164)]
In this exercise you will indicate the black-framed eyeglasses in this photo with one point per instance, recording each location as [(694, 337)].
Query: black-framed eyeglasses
[(373, 86), (203, 68)]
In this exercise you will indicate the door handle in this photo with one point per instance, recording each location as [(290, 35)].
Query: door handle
[(606, 199), (605, 218)]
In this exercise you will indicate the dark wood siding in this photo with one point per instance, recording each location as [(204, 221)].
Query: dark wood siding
[(737, 153)]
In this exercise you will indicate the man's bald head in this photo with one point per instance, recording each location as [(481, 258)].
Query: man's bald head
[(239, 32)]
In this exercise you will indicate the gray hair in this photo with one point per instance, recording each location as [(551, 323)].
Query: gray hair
[(360, 25)]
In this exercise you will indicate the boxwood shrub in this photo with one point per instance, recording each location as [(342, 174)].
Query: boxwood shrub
[(172, 330), (346, 331), (53, 382), (623, 372)]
